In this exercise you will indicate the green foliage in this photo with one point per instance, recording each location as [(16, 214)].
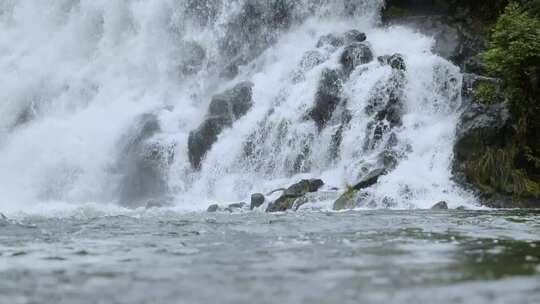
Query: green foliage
[(495, 171), (514, 52), (514, 57), (487, 92)]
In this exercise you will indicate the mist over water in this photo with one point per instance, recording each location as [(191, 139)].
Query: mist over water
[(81, 83)]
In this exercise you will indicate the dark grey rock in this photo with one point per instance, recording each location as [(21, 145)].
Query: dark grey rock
[(395, 61), (480, 127), (213, 208), (327, 98), (440, 206), (143, 163), (355, 54), (289, 196), (370, 179), (257, 200), (224, 110), (339, 40), (354, 36), (3, 220), (461, 208)]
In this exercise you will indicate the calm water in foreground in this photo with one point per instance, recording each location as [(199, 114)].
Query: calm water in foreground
[(313, 257)]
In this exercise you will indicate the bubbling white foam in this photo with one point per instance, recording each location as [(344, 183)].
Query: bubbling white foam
[(74, 75)]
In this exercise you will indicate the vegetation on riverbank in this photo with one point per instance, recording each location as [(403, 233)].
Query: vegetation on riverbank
[(513, 55)]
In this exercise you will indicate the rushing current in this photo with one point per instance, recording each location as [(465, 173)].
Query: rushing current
[(82, 81)]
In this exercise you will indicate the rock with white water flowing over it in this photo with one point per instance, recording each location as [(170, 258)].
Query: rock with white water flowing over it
[(144, 163), (440, 206), (257, 200), (291, 194), (355, 54), (347, 199), (339, 40), (327, 98), (395, 61), (224, 110)]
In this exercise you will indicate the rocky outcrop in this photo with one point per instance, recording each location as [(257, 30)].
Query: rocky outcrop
[(224, 110), (144, 163), (293, 193), (460, 27), (355, 54), (257, 200), (327, 98), (486, 154)]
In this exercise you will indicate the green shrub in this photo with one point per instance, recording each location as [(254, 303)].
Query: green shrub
[(514, 53)]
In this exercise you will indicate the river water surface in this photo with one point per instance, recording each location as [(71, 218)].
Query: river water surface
[(162, 256)]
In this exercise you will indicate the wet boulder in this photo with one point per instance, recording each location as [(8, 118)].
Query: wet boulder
[(440, 206), (370, 179), (327, 98), (354, 36), (480, 127), (144, 163), (386, 109), (257, 200), (355, 54), (224, 110), (293, 193), (349, 198), (212, 208), (395, 61), (339, 40)]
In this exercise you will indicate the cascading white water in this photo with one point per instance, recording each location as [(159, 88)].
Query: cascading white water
[(76, 76)]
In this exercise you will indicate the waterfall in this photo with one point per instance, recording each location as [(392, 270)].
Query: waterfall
[(98, 99)]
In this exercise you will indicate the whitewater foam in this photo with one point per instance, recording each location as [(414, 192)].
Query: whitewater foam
[(75, 75)]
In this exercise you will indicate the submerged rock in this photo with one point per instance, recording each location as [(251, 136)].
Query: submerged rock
[(355, 54), (257, 200), (291, 194), (224, 110), (440, 206)]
